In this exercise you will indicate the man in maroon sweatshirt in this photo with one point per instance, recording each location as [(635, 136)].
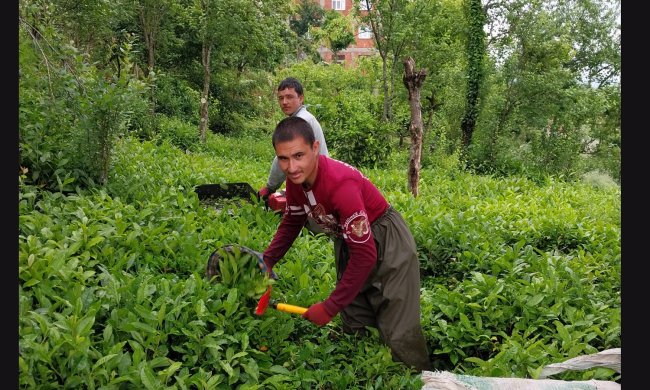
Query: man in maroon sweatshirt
[(378, 275)]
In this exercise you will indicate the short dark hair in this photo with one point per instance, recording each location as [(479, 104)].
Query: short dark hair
[(291, 82), (291, 127)]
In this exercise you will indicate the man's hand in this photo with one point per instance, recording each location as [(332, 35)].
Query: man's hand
[(264, 267), (317, 314), (264, 193)]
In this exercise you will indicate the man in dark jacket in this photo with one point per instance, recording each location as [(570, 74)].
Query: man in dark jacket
[(378, 276)]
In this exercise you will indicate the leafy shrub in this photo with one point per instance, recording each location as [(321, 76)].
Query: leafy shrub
[(241, 103), (557, 150), (344, 102), (356, 136), (184, 135), (176, 98), (599, 179), (69, 117), (112, 293), (247, 149)]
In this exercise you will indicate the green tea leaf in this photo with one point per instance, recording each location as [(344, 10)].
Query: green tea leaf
[(94, 241), (252, 369), (226, 366), (103, 360), (169, 371), (148, 378), (535, 300), (279, 370), (464, 320), (142, 326), (31, 282)]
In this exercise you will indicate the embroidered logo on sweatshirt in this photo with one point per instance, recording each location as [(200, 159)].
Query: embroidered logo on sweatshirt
[(357, 227)]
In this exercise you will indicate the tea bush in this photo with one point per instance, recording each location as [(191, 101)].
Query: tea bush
[(112, 288)]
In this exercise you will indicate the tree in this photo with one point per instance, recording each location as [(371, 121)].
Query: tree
[(335, 33), (310, 14), (236, 33), (394, 25), (151, 14), (551, 65), (440, 50), (71, 108), (475, 55), (413, 81), (210, 14)]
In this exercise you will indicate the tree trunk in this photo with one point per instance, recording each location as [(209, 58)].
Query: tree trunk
[(205, 59), (413, 82), (384, 84), (151, 13), (432, 107)]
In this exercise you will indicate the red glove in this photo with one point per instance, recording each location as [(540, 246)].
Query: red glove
[(317, 314), (263, 193)]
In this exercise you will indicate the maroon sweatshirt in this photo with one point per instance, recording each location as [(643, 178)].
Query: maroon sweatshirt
[(344, 203)]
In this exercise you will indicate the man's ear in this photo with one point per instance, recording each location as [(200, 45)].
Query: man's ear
[(316, 147)]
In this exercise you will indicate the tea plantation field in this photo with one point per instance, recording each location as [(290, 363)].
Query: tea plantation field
[(516, 275)]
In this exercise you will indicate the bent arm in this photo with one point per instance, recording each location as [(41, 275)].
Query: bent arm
[(276, 176), (318, 134)]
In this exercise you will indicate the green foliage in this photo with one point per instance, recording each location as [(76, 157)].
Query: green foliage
[(45, 118), (244, 103), (501, 269), (336, 31), (176, 98), (149, 319), (599, 179), (544, 113), (537, 309), (70, 114), (107, 105), (558, 65), (179, 133), (475, 51), (556, 150), (309, 14), (344, 103), (357, 137), (112, 293), (239, 270), (138, 173)]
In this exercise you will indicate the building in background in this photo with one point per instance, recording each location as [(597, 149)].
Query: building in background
[(363, 45)]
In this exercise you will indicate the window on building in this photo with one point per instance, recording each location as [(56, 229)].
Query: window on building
[(340, 59), (365, 5), (365, 32), (338, 5)]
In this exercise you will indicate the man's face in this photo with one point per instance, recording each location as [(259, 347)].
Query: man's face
[(298, 160), (289, 100)]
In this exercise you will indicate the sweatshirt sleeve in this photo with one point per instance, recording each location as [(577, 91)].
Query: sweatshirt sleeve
[(361, 244), (318, 134), (315, 126), (289, 228), (276, 176)]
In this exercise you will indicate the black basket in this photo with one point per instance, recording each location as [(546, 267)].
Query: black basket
[(225, 190)]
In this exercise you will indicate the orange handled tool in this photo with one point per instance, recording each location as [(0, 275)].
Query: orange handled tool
[(287, 308), (265, 300)]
